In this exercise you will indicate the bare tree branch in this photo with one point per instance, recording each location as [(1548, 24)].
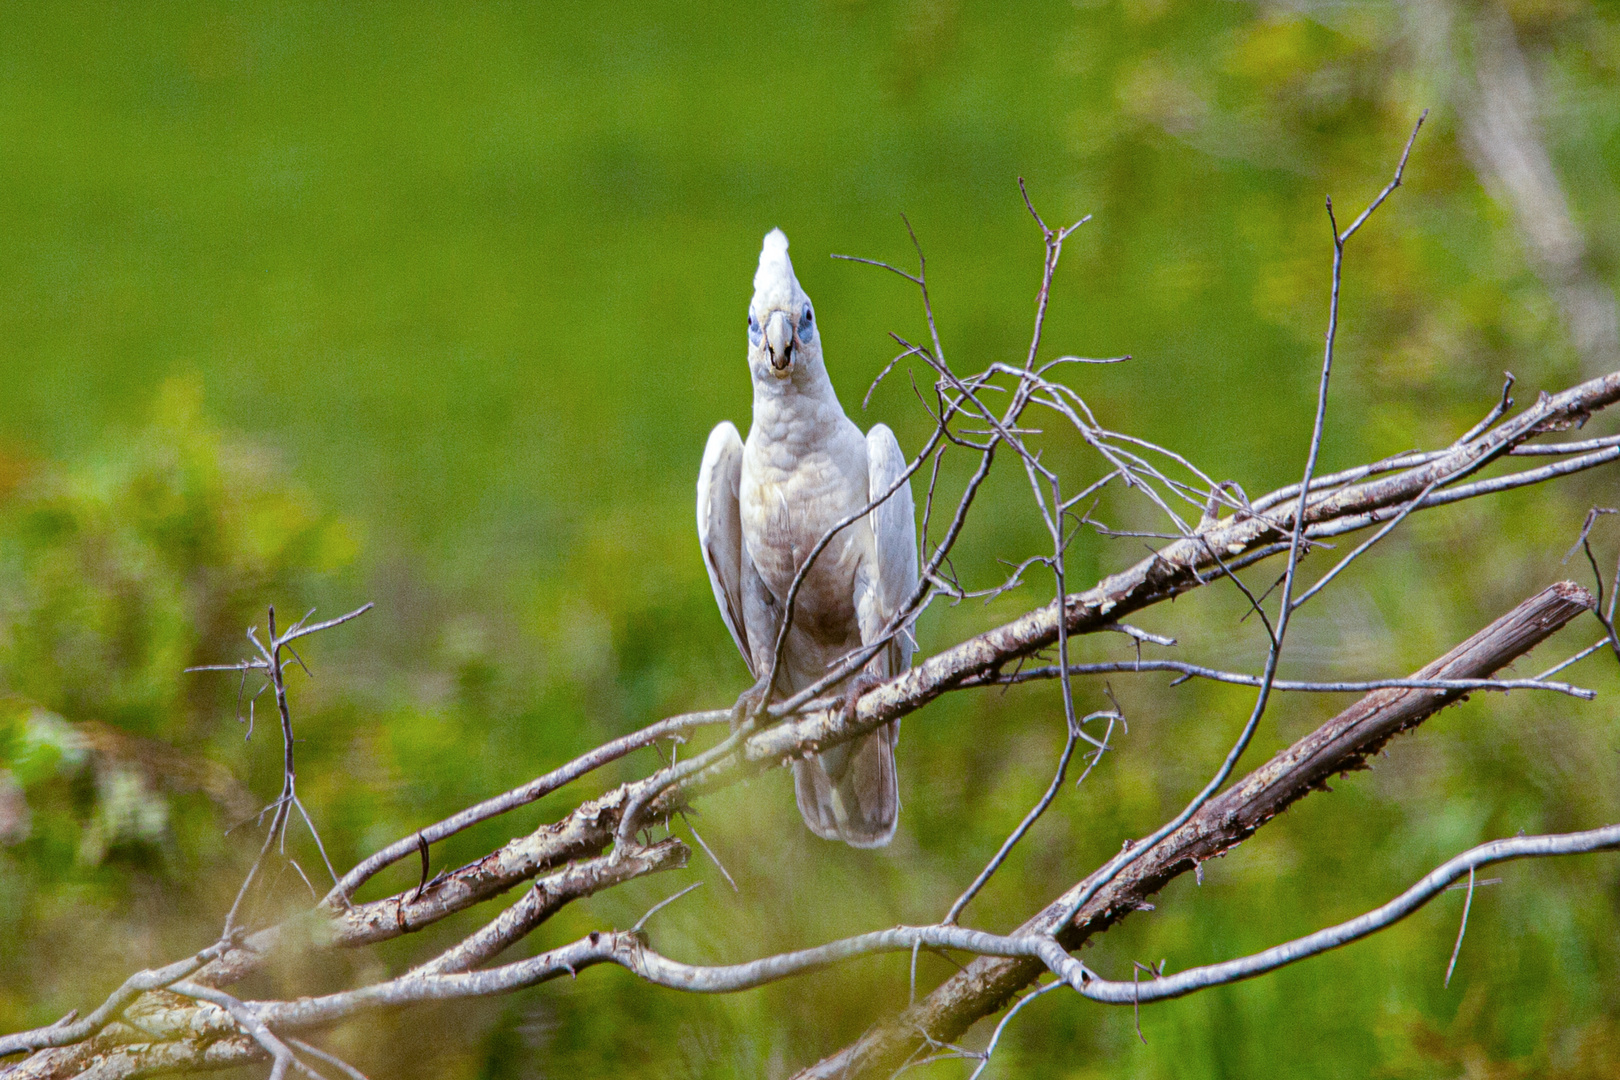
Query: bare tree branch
[(1433, 884), (1341, 745), (1128, 667)]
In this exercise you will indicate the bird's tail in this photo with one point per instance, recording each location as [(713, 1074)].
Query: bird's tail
[(851, 792)]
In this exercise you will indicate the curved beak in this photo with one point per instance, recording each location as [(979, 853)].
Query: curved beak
[(779, 340)]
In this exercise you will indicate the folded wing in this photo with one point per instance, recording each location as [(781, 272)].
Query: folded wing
[(719, 522)]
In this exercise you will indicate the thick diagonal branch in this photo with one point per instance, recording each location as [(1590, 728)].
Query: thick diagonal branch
[(1191, 562)]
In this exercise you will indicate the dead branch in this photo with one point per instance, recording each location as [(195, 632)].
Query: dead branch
[(1339, 746)]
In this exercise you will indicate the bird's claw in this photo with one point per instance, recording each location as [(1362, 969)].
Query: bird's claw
[(749, 702), (857, 688)]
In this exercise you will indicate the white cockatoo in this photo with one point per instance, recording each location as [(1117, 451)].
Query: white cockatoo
[(764, 504)]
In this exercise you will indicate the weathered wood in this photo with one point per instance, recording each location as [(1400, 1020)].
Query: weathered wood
[(1341, 745)]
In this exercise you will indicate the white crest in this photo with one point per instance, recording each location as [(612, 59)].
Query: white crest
[(775, 285)]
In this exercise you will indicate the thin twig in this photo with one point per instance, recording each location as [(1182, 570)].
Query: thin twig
[(1462, 928)]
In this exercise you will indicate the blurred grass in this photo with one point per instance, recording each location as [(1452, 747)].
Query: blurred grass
[(435, 306)]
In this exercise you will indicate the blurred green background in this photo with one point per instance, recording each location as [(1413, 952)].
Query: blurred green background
[(434, 306)]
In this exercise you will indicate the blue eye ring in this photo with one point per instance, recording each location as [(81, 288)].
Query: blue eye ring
[(753, 329), (805, 320)]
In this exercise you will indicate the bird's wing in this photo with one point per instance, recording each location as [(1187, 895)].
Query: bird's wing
[(894, 534), (719, 522)]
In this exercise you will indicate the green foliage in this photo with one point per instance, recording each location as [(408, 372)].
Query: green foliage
[(120, 573), (115, 575)]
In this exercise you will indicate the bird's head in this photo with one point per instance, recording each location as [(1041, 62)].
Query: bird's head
[(783, 342)]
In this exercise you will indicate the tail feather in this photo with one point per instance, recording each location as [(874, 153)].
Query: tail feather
[(851, 792)]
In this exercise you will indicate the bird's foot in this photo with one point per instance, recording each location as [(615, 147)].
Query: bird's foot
[(855, 690), (749, 702)]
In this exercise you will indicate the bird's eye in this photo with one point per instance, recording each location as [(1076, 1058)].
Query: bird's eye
[(805, 320), (753, 329)]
